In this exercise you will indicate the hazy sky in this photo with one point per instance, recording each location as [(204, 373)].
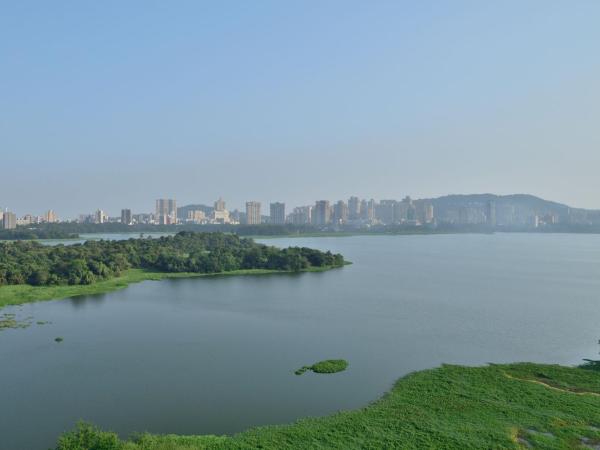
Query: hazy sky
[(112, 104)]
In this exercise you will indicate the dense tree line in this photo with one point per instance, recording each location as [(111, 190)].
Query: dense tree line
[(116, 227), (29, 262), (68, 230), (22, 233)]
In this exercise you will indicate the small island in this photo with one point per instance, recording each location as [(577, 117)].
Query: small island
[(30, 271), (326, 366)]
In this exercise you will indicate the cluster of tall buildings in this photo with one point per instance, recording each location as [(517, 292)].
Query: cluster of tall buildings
[(363, 212), (322, 214), (501, 212), (10, 221), (492, 214), (166, 211)]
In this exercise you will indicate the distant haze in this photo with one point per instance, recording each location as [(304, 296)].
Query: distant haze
[(113, 104)]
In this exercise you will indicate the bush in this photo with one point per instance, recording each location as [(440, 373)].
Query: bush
[(88, 437)]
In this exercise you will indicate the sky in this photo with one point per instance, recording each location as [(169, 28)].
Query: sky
[(112, 104)]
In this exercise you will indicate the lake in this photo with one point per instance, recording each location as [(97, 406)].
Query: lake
[(217, 355)]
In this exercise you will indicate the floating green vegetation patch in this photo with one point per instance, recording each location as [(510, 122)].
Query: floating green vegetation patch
[(327, 366), (59, 339), (9, 320)]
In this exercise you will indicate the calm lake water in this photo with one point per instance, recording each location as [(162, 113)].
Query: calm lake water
[(217, 355)]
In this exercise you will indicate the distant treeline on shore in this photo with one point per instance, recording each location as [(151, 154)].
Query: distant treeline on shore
[(37, 232), (72, 230)]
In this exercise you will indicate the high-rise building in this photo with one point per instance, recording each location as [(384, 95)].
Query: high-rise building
[(87, 218), (9, 221), (236, 216), (353, 208), (428, 214), (364, 211), (406, 210), (166, 211), (277, 213), (505, 215), (322, 213), (100, 216), (221, 216), (386, 211), (142, 218), (490, 213), (196, 216), (253, 213), (302, 215), (220, 205), (340, 213), (371, 210), (50, 216), (411, 213), (27, 219), (463, 215), (126, 217)]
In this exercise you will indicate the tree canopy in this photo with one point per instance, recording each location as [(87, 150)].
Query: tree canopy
[(29, 262)]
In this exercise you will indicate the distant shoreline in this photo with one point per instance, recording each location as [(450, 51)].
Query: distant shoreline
[(135, 235)]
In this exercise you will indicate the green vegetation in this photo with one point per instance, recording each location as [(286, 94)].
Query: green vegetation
[(327, 366), (23, 233), (591, 364), (60, 268), (9, 320), (58, 339), (513, 406)]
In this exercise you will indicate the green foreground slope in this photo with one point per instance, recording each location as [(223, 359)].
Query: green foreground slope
[(452, 407)]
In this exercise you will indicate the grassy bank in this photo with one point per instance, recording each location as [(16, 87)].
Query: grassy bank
[(514, 406), (23, 293)]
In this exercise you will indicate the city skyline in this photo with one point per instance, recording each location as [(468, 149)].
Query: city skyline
[(381, 98), (357, 212), (150, 206)]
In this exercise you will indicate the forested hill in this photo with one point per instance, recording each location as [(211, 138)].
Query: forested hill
[(523, 204), (25, 262)]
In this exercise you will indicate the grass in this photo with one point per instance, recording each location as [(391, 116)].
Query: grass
[(327, 366), (24, 293), (513, 406)]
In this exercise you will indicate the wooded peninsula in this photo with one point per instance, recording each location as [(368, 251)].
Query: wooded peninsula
[(29, 263)]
